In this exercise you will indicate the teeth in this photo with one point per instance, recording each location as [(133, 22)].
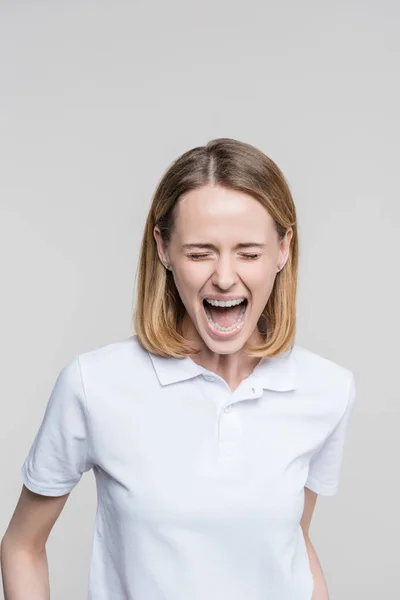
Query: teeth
[(226, 329), (223, 303)]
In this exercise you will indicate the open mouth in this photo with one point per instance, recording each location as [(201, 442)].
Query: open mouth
[(225, 319)]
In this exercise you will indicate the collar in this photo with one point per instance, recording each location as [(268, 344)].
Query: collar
[(276, 373)]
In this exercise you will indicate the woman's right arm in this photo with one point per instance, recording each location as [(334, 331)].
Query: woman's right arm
[(23, 547)]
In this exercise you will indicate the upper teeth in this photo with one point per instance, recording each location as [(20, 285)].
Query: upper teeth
[(223, 302)]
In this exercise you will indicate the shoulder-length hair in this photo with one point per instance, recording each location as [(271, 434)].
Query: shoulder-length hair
[(159, 309)]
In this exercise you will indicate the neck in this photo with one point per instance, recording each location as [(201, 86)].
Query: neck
[(233, 367)]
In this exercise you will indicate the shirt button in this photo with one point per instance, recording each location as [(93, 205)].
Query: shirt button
[(209, 377), (228, 408)]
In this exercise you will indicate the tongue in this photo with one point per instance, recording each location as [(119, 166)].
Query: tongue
[(224, 316)]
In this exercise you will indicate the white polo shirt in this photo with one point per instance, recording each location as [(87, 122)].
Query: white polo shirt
[(200, 489)]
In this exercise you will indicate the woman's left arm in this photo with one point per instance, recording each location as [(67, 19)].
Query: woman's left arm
[(320, 591)]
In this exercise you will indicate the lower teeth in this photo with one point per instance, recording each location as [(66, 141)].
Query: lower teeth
[(232, 327)]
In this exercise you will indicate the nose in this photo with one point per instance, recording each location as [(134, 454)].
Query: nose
[(224, 275)]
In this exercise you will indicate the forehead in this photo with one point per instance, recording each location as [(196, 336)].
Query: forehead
[(216, 211)]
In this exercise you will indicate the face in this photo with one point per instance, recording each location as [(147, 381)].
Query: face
[(224, 245)]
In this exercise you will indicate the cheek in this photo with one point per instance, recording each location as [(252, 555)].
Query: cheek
[(261, 281), (261, 289), (193, 276), (189, 282)]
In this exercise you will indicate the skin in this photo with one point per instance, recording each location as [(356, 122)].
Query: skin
[(223, 218), (23, 556)]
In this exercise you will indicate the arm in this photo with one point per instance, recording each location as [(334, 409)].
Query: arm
[(320, 588), (23, 556)]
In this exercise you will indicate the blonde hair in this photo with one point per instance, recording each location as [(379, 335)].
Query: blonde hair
[(159, 309)]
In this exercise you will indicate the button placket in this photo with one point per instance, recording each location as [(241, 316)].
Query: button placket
[(229, 447), (229, 439), (230, 427), (230, 424)]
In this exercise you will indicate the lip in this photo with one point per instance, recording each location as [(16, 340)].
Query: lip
[(224, 298)]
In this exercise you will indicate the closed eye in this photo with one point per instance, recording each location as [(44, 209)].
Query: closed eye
[(200, 256)]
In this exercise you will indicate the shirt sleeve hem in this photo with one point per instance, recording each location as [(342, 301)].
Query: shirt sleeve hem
[(44, 490), (321, 488)]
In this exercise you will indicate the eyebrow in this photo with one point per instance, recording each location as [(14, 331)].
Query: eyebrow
[(211, 246)]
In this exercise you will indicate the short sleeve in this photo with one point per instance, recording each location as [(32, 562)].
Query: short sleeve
[(60, 454), (325, 465)]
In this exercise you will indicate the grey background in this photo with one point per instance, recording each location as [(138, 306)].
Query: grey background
[(97, 98)]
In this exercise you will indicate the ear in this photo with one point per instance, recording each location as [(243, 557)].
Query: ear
[(161, 246), (284, 246)]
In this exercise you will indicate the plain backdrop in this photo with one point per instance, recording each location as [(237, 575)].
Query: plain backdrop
[(97, 99)]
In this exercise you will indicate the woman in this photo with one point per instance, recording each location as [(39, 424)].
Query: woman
[(209, 431)]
